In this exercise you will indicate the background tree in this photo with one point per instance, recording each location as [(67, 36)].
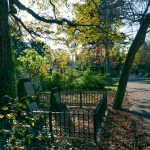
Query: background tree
[(100, 37), (117, 57), (6, 66), (142, 58), (61, 60), (83, 59), (142, 17), (34, 66)]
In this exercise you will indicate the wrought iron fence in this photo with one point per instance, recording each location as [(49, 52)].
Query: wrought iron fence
[(84, 119), (73, 98), (73, 123), (99, 114), (44, 100), (81, 98)]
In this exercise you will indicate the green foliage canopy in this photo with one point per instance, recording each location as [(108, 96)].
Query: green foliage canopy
[(33, 64)]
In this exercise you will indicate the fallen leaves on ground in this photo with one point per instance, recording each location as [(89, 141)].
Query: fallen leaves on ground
[(122, 131)]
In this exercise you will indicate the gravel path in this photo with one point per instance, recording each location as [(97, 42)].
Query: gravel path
[(139, 96)]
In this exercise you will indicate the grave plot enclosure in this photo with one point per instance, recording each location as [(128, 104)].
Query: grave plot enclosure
[(82, 98), (73, 123), (83, 116)]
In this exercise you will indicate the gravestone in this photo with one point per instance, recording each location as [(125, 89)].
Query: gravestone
[(25, 88), (29, 89), (25, 92), (33, 107), (55, 100), (55, 96)]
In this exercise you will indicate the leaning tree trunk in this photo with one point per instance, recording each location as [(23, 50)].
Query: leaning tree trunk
[(6, 67), (136, 44)]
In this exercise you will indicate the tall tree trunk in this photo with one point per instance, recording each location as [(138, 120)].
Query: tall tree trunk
[(107, 55), (6, 67), (136, 44), (107, 60)]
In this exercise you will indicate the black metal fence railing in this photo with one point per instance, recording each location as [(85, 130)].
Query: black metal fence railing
[(76, 98), (81, 98), (99, 114), (44, 100), (73, 123), (84, 119)]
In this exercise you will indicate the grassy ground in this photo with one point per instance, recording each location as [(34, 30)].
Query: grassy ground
[(113, 86), (145, 79)]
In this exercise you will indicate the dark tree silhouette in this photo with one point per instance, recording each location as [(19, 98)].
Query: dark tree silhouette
[(6, 66)]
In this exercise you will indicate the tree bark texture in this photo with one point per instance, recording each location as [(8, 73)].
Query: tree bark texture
[(6, 67), (136, 44), (107, 60)]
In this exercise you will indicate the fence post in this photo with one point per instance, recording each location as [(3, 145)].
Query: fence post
[(69, 124), (80, 99), (50, 126), (95, 130), (106, 100), (38, 98)]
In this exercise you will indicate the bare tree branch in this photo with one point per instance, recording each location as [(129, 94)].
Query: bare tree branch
[(146, 9), (54, 8), (31, 32), (148, 30), (52, 21), (16, 22), (67, 3)]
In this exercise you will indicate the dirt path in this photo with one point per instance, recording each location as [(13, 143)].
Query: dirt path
[(139, 96)]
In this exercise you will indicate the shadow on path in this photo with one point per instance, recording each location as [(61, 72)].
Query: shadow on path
[(143, 114), (139, 96)]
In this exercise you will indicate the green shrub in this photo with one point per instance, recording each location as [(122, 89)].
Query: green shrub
[(51, 81), (69, 78), (19, 128), (91, 80), (73, 79)]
